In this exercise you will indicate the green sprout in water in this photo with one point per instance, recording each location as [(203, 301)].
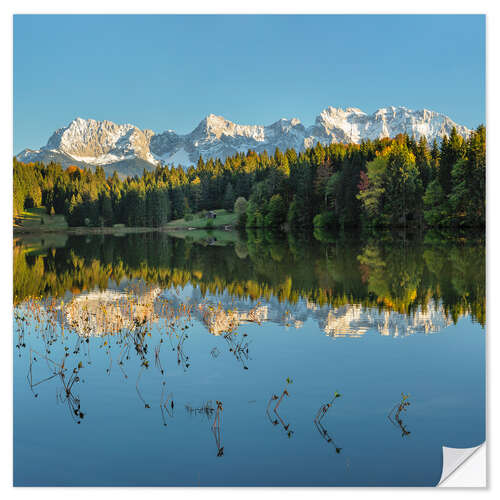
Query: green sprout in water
[(321, 428), (277, 420), (395, 414), (216, 429)]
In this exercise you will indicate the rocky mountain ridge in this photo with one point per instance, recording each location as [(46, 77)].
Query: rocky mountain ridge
[(128, 149)]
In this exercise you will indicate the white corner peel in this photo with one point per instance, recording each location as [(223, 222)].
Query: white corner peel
[(464, 467)]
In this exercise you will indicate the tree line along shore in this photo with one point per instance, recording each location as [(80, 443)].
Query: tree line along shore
[(384, 183)]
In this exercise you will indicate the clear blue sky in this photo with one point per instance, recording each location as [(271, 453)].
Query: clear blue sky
[(168, 72)]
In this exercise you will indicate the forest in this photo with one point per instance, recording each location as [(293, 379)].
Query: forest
[(398, 182)]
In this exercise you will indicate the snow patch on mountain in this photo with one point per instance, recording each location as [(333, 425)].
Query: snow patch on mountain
[(179, 157)]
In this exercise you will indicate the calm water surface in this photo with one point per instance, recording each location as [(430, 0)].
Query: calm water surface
[(156, 361)]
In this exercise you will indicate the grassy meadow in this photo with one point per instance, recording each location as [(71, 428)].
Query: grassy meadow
[(199, 221)]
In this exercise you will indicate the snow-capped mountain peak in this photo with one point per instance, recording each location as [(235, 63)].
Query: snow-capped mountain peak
[(128, 149), (100, 142), (216, 126)]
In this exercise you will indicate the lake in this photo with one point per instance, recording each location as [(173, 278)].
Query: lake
[(218, 359)]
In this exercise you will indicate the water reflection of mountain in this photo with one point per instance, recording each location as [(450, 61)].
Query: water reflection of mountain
[(111, 311), (354, 320), (405, 277)]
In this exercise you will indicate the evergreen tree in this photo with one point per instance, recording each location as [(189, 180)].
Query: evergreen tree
[(106, 208), (402, 185), (240, 209), (452, 150), (372, 190), (435, 210), (276, 214), (228, 201)]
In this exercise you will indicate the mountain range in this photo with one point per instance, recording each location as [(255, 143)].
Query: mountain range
[(128, 149)]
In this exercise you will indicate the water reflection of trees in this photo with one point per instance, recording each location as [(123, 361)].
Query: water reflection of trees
[(138, 326), (387, 273)]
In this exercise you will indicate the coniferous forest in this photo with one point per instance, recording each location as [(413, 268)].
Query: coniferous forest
[(397, 182)]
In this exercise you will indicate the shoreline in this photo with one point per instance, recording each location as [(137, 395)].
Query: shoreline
[(111, 230)]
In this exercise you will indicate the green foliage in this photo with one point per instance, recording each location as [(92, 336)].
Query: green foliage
[(468, 192), (276, 213), (240, 209), (372, 190), (228, 201), (324, 220), (402, 186), (435, 210), (293, 214), (377, 183), (240, 206), (452, 150)]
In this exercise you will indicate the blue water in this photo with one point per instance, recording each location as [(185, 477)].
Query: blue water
[(120, 442), (120, 435)]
